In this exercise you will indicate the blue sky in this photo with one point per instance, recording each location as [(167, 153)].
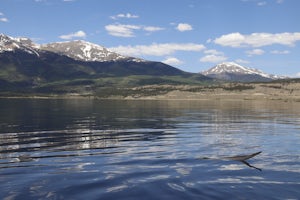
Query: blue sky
[(192, 35)]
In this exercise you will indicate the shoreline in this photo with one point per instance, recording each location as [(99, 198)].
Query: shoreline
[(228, 91), (180, 96)]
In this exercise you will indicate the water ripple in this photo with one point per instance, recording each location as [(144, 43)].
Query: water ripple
[(149, 150)]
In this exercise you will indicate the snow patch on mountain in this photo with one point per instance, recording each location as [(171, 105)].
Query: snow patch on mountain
[(234, 68), (77, 49), (8, 43), (85, 51)]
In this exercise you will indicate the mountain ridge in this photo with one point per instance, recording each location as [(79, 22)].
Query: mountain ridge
[(8, 43), (86, 51), (26, 66), (77, 49)]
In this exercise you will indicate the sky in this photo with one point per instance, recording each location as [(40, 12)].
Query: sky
[(192, 35)]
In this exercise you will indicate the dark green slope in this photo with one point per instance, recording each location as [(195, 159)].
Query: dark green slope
[(49, 72)]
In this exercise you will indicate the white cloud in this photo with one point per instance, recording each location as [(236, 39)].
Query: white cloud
[(262, 3), (157, 49), (172, 61), (241, 61), (297, 75), (184, 27), (3, 19), (258, 39), (232, 39), (255, 1), (121, 30), (213, 58), (78, 34), (213, 52), (280, 52), (127, 30), (255, 52), (152, 28), (121, 15), (68, 0)]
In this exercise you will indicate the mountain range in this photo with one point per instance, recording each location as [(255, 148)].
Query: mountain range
[(25, 65), (77, 49), (75, 65)]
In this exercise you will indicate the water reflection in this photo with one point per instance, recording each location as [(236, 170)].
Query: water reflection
[(96, 149)]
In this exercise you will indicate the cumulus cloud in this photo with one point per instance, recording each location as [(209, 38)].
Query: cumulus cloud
[(172, 61), (297, 75), (213, 52), (257, 39), (127, 30), (78, 34), (213, 56), (280, 52), (121, 15), (2, 18), (157, 49), (255, 52), (184, 27), (121, 30)]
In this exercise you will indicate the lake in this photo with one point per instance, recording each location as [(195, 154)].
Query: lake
[(117, 149)]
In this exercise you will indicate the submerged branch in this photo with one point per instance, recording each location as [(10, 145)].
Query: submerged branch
[(240, 158)]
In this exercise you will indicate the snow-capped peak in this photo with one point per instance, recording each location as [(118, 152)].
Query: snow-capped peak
[(84, 51), (8, 43), (234, 68), (234, 72), (77, 49)]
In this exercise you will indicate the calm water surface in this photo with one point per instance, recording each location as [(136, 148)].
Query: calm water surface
[(92, 149)]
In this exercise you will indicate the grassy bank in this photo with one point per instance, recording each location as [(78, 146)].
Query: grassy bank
[(231, 91)]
